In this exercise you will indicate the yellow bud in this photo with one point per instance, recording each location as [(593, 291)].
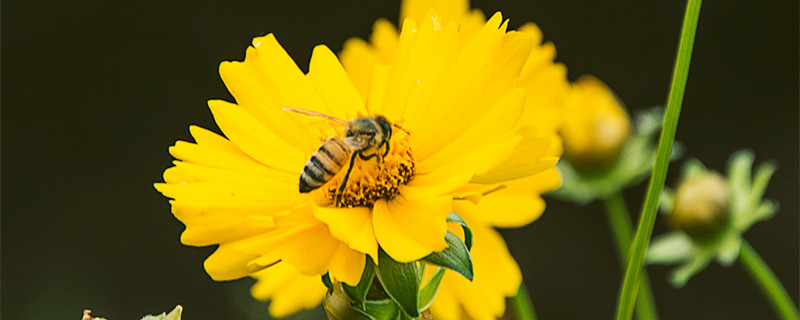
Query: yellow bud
[(701, 206), (596, 126)]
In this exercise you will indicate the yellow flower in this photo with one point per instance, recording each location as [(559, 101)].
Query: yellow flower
[(517, 202), (477, 142)]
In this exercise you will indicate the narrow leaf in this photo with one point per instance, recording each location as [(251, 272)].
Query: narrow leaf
[(358, 294), (455, 218), (326, 280), (428, 292), (400, 280), (455, 257)]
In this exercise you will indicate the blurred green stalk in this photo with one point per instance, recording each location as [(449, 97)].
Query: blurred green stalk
[(768, 282), (619, 221), (523, 305), (680, 73)]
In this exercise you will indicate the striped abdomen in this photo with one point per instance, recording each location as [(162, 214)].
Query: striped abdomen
[(328, 160)]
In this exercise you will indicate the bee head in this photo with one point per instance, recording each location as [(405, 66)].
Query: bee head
[(365, 133)]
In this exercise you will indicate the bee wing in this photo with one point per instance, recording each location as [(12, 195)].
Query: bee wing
[(313, 114)]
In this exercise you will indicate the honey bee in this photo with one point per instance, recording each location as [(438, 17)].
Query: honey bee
[(364, 137)]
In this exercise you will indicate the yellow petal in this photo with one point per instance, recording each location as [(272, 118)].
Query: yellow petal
[(227, 263), (384, 38), (431, 56), (450, 10), (175, 175), (209, 226), (472, 85), (377, 89), (423, 56), (288, 290), (333, 85), (409, 230), (491, 129), (255, 139), (217, 152), (268, 80), (528, 158), (456, 101), (442, 181), (309, 247), (350, 225), (358, 60), (347, 265), (215, 195), (517, 204)]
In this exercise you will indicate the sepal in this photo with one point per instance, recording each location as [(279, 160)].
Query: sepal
[(455, 218), (455, 257), (358, 294), (400, 281)]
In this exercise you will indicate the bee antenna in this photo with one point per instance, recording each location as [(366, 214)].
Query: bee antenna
[(401, 128)]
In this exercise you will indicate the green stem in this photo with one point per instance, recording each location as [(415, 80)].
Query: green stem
[(621, 226), (630, 284), (769, 283), (523, 305)]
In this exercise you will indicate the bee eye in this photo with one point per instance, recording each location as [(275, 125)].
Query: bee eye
[(371, 134), (349, 134)]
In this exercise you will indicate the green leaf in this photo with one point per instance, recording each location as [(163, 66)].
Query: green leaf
[(175, 314), (358, 294), (670, 248), (326, 280), (666, 201), (739, 169), (455, 218), (400, 281), (760, 181), (682, 274), (428, 292), (383, 309), (455, 257), (728, 250), (693, 168)]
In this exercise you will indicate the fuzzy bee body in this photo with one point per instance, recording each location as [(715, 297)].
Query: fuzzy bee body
[(363, 137), (328, 160)]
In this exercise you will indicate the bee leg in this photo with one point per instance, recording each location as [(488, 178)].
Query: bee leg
[(376, 154), (343, 185), (366, 158), (385, 143)]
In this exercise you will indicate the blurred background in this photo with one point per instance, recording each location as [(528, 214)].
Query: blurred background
[(93, 93)]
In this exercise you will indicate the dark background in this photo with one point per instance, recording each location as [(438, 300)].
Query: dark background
[(93, 93)]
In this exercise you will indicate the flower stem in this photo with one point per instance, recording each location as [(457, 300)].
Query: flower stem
[(621, 227), (769, 283), (680, 73), (523, 305)]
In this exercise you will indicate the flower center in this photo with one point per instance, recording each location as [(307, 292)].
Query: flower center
[(369, 181)]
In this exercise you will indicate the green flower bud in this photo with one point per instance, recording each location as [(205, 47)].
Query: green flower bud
[(596, 126), (337, 305), (701, 206)]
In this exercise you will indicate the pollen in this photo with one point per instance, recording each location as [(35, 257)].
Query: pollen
[(370, 181)]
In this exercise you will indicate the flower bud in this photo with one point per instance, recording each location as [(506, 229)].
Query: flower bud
[(596, 126), (337, 305), (701, 206)]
